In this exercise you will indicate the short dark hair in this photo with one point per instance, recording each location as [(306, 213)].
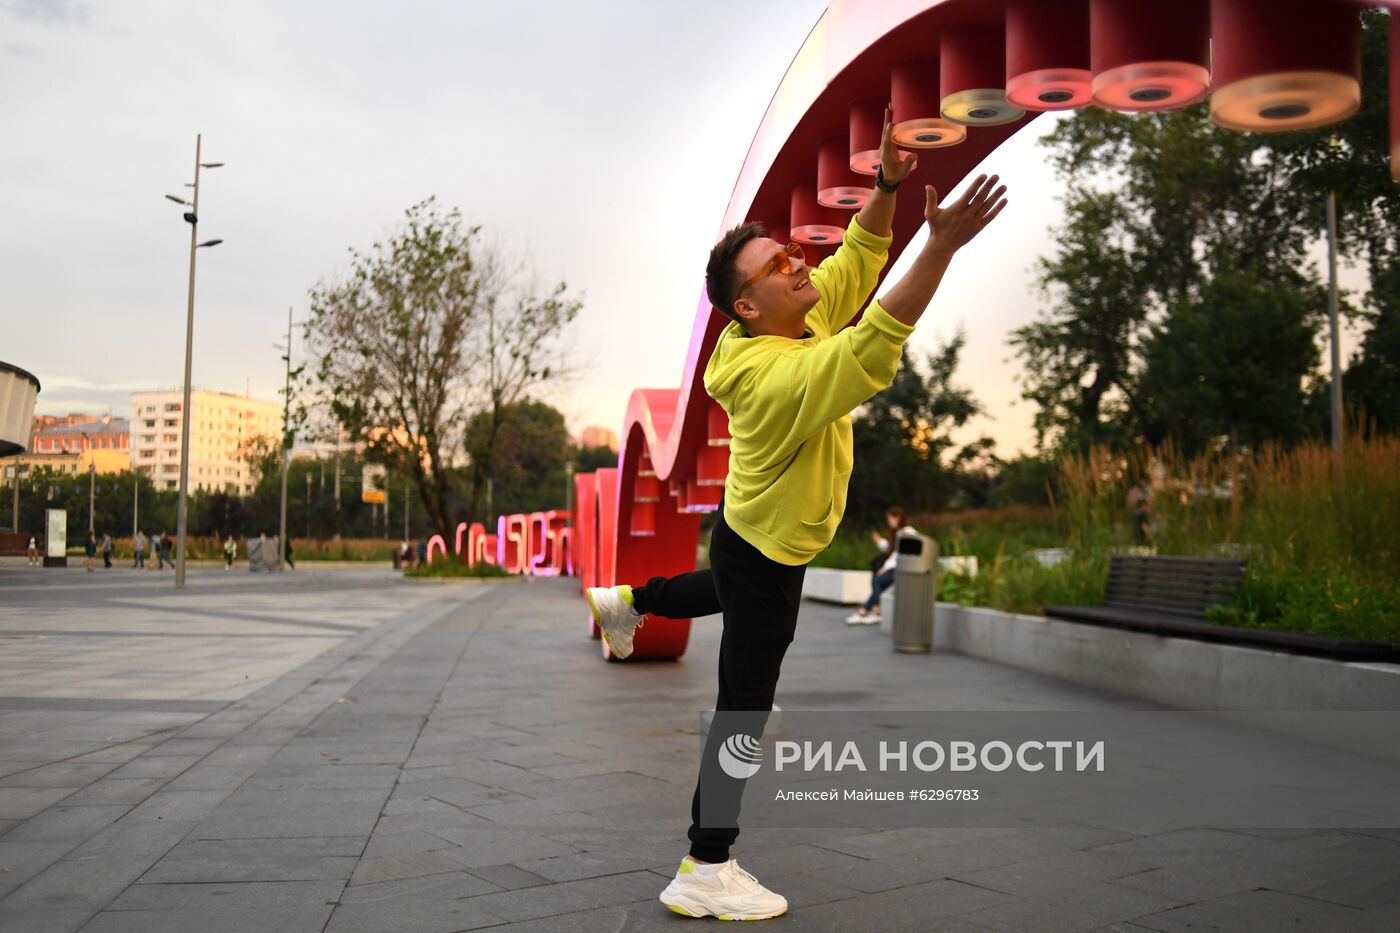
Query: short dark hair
[(897, 513), (721, 276)]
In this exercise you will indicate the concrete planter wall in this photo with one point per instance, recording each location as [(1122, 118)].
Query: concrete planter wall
[(851, 587), (1186, 674)]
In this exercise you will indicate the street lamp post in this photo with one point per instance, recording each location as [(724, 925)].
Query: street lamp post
[(192, 218), (286, 446), (1338, 424)]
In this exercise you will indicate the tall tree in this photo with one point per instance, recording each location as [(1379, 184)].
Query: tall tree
[(1177, 227), (531, 449), (1079, 353), (429, 323), (904, 450)]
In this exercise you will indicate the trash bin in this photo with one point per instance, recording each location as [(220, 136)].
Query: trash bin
[(915, 591)]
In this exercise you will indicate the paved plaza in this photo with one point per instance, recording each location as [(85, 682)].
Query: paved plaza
[(345, 751)]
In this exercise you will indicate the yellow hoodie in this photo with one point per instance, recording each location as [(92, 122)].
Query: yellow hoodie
[(789, 403)]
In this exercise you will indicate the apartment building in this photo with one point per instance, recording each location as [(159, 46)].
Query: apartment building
[(222, 426), (78, 432)]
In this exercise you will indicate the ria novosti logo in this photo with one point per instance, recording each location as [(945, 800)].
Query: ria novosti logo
[(740, 756)]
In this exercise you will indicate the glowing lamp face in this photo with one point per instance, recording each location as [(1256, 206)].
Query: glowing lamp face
[(865, 162), (843, 197), (1050, 90), (1296, 100), (818, 234), (1150, 86), (980, 107), (927, 133)]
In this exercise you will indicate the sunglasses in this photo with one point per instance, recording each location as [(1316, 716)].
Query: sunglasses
[(781, 264)]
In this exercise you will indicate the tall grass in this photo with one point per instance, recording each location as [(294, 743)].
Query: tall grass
[(1321, 557), (1321, 554)]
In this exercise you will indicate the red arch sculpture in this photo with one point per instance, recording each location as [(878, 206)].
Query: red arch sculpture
[(642, 518)]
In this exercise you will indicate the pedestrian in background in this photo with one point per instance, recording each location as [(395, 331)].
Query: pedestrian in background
[(230, 552), (165, 546), (89, 550), (287, 554), (140, 547), (154, 556), (33, 553), (106, 551)]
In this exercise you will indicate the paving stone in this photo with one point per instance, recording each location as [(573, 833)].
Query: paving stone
[(47, 920), (20, 861), (225, 860), (156, 766), (293, 918), (572, 896), (395, 867), (549, 791), (114, 790), (478, 845), (61, 774), (63, 822), (20, 803), (508, 877), (438, 904), (281, 813), (1262, 911), (936, 905), (403, 843), (227, 895)]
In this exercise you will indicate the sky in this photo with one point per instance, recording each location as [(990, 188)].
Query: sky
[(600, 141)]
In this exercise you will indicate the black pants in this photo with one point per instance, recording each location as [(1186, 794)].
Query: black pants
[(759, 598)]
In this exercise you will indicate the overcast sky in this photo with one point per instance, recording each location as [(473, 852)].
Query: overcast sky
[(334, 117)]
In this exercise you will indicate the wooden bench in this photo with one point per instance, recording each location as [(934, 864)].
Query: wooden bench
[(1170, 596)]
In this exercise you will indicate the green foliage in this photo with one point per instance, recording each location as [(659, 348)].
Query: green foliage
[(904, 452), (1181, 303), (1231, 363), (427, 326), (531, 450), (1022, 584), (1336, 605), (588, 459), (443, 569)]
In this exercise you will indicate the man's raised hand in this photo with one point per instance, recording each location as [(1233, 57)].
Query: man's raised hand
[(952, 227), (894, 165)]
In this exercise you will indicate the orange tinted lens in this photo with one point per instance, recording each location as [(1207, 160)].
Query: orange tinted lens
[(783, 261)]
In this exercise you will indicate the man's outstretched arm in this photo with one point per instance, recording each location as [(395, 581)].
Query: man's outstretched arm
[(949, 230), (877, 216)]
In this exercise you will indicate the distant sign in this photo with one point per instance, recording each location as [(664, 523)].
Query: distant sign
[(373, 479), (56, 532)]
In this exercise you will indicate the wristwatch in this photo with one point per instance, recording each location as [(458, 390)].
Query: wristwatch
[(882, 184)]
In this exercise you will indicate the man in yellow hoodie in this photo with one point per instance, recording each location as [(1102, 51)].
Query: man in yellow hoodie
[(788, 376)]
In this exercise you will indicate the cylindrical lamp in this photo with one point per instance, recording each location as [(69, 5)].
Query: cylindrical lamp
[(867, 126), (918, 123), (1147, 58), (1047, 54), (1395, 96), (811, 222), (1284, 64), (972, 75), (837, 185)]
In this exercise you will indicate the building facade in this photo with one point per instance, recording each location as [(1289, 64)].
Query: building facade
[(223, 428), (77, 433), (71, 463), (598, 437)]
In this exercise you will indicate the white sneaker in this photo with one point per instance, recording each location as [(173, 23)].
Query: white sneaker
[(729, 893), (617, 620), (857, 618)]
